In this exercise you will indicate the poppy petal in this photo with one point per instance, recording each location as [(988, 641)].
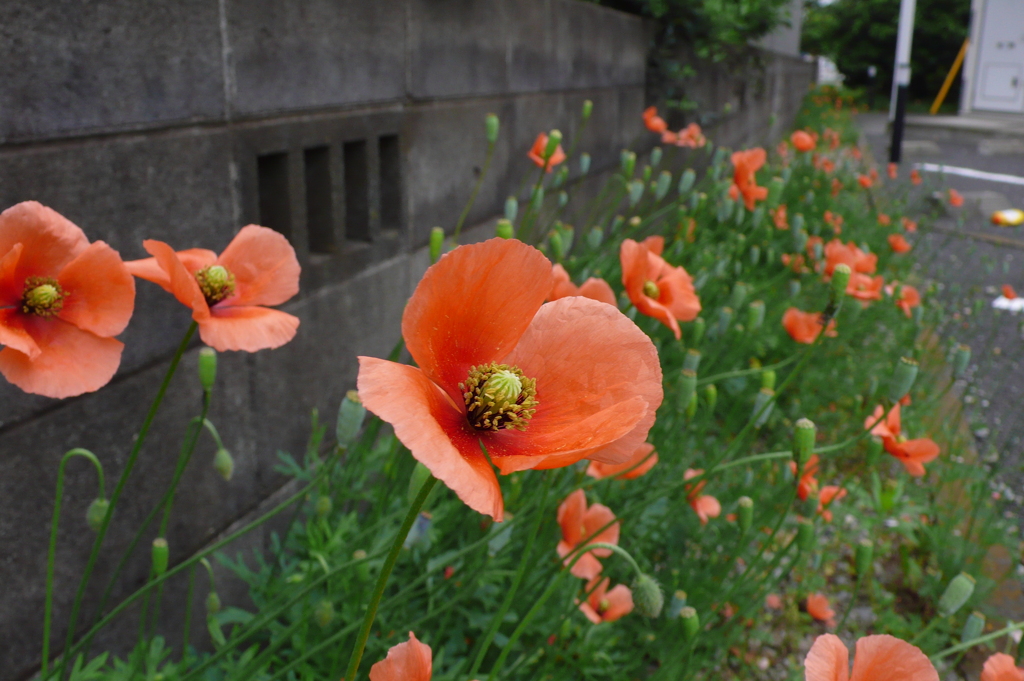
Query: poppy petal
[(426, 421), (14, 335), (1001, 667), (463, 314), (887, 658), (599, 290), (587, 566), (71, 361), (570, 517), (264, 265), (599, 525), (11, 290), (180, 282), (194, 259), (592, 615), (101, 291), (50, 240), (620, 603), (409, 661), (827, 660), (707, 507), (248, 329)]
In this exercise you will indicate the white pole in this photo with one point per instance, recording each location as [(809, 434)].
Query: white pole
[(901, 77)]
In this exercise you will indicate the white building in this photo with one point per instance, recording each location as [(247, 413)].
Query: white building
[(994, 68)]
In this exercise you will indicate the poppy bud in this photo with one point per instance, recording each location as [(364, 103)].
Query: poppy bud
[(561, 175), (557, 245), (768, 379), (224, 464), (636, 190), (711, 396), (627, 160), (647, 597), (677, 603), (212, 603), (691, 360), (787, 173), (973, 627), (809, 198), (696, 199), (960, 361), (691, 622), (865, 554), (646, 174), (699, 326), (918, 313), (794, 287), (739, 294), (799, 240), (805, 536), (350, 418), (686, 181), (554, 139), (419, 533), (96, 513), (755, 315), (537, 199), (796, 223), (594, 237), (655, 156), (363, 566), (323, 506), (902, 378), (775, 188), (584, 163), (755, 254), (664, 184), (804, 434), (588, 108), (492, 128), (617, 223), (436, 243), (207, 368), (504, 229), (957, 593), (840, 279), (563, 198), (511, 208), (323, 613), (874, 450), (687, 388), (160, 556), (724, 320), (763, 403), (809, 506), (757, 217), (818, 250), (745, 513), (691, 408)]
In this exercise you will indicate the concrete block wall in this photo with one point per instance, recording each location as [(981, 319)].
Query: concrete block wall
[(353, 126)]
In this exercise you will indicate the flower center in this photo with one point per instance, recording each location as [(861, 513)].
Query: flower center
[(43, 297), (651, 289), (603, 605), (499, 396), (216, 283)]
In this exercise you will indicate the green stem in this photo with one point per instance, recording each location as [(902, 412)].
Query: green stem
[(927, 630), (981, 639), (51, 555), (116, 496), (747, 372), (385, 573), (476, 190), (187, 630), (853, 599)]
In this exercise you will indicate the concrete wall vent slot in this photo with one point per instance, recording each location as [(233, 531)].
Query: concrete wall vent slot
[(319, 203), (275, 204), (357, 191), (390, 182)]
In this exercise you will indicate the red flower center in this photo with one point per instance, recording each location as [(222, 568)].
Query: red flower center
[(216, 283), (43, 297), (499, 396), (651, 290)]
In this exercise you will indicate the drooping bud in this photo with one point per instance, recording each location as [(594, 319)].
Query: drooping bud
[(725, 209), (902, 378), (636, 191), (956, 595), (224, 463), (724, 320), (739, 294), (561, 175), (664, 184), (794, 288), (874, 450), (799, 240), (627, 161), (595, 237), (504, 229), (691, 622), (323, 613), (804, 434), (584, 163), (588, 108), (161, 555), (207, 368), (806, 536), (96, 513), (212, 603), (763, 404), (775, 187), (755, 315), (617, 223), (676, 605), (323, 506), (493, 125), (647, 596), (863, 558), (711, 396), (768, 379), (691, 360), (511, 208), (436, 243), (745, 513), (686, 181), (350, 419), (840, 280), (699, 326), (557, 245), (973, 627), (563, 199), (554, 139), (687, 388), (537, 199), (960, 361)]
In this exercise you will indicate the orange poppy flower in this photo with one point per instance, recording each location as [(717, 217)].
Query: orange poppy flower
[(658, 289), (807, 482), (567, 380), (856, 154), (837, 186), (780, 217), (884, 220), (878, 658), (669, 137), (536, 153), (409, 661), (644, 455), (1001, 667), (828, 495), (909, 225), (865, 181), (706, 506), (794, 262), (818, 608), (956, 199), (802, 141), (653, 121), (1008, 292), (804, 327), (593, 288), (893, 170), (850, 254), (915, 176), (909, 299), (746, 164), (62, 301), (828, 166), (865, 288), (783, 150), (603, 605), (691, 136), (913, 454), (899, 244), (833, 138), (583, 525), (227, 293)]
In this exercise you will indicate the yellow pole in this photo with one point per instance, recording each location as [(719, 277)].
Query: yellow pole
[(949, 79)]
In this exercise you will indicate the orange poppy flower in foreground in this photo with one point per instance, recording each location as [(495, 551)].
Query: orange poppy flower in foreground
[(802, 141), (1001, 667), (227, 293), (807, 482), (899, 244), (878, 658), (1008, 292), (536, 153), (829, 494), (62, 301), (409, 661), (956, 199), (818, 608), (804, 327), (658, 289), (837, 252), (653, 121), (603, 605), (704, 505), (539, 385), (593, 288), (583, 525), (644, 455), (913, 454), (865, 288), (746, 164)]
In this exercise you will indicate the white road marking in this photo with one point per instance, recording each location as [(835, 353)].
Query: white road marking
[(970, 172)]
